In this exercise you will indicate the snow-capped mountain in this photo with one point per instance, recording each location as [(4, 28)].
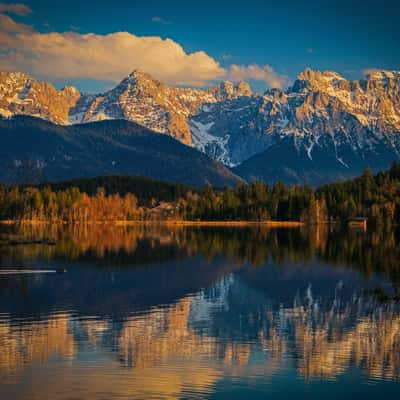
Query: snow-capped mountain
[(21, 94), (323, 127), (138, 98), (321, 109)]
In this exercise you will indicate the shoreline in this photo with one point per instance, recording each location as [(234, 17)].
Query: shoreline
[(237, 223), (161, 222)]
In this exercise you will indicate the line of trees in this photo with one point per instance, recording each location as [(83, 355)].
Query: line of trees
[(255, 202), (145, 189), (374, 197), (35, 204)]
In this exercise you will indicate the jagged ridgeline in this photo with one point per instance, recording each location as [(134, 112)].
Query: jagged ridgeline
[(138, 97), (320, 129)]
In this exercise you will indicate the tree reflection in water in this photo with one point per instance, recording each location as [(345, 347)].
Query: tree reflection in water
[(161, 312)]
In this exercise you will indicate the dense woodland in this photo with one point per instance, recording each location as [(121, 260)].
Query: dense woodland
[(374, 197), (109, 199), (146, 190)]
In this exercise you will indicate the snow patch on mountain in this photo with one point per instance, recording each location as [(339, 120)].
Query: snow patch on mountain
[(309, 150), (348, 120), (208, 143)]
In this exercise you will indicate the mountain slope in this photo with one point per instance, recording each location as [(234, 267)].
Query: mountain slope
[(36, 150), (322, 110), (322, 128), (288, 163), (138, 97), (21, 94)]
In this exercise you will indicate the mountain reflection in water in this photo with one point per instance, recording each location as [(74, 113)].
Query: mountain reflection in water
[(152, 312)]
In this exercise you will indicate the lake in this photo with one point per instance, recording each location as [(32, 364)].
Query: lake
[(151, 312)]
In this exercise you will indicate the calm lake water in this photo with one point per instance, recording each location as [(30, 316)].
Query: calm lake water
[(201, 313)]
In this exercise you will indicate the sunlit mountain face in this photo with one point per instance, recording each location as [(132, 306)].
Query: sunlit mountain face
[(149, 312), (321, 128)]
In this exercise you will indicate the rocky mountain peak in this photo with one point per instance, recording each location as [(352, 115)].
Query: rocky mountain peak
[(381, 81), (71, 90), (13, 76), (314, 75), (21, 94), (139, 75), (227, 90), (380, 75), (140, 80), (318, 81), (243, 89), (330, 81)]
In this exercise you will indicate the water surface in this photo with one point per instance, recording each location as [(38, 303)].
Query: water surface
[(201, 313)]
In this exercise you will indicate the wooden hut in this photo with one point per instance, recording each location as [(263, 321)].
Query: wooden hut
[(358, 222)]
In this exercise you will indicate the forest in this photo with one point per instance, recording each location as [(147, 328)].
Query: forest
[(376, 197)]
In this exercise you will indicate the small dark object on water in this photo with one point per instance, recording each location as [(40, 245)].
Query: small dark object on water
[(61, 270)]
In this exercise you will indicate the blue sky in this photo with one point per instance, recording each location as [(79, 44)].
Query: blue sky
[(266, 42)]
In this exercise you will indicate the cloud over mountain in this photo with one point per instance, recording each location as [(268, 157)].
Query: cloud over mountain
[(264, 73), (109, 57), (105, 57)]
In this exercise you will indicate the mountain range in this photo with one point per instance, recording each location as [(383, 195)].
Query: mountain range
[(322, 128)]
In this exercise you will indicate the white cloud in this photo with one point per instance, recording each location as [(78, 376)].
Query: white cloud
[(110, 57), (103, 57), (159, 20), (16, 8), (264, 73)]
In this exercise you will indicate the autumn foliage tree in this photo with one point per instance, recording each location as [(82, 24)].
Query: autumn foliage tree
[(376, 197)]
